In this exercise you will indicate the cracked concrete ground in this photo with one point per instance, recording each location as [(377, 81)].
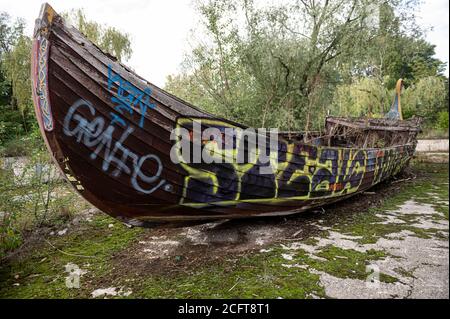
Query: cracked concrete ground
[(415, 245), (424, 260), (419, 264)]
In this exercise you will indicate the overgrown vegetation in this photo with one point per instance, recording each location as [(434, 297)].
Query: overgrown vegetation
[(106, 250), (32, 195), (289, 65)]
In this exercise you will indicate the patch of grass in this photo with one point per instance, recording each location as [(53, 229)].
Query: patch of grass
[(255, 276), (368, 225), (433, 133), (42, 274), (311, 241), (353, 265), (266, 275), (28, 204), (387, 278), (14, 148), (342, 263), (404, 273), (445, 212)]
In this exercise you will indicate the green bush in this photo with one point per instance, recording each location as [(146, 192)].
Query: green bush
[(13, 125), (29, 197), (10, 238), (21, 145), (442, 121)]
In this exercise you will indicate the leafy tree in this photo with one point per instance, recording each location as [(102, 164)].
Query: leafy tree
[(5, 87), (109, 39), (289, 65), (427, 98), (14, 77), (398, 49), (9, 32), (275, 64), (17, 65), (365, 96)]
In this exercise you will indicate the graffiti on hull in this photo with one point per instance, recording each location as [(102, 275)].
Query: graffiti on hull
[(297, 171), (127, 99), (96, 134)]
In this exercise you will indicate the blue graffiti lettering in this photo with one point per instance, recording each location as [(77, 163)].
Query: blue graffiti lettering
[(128, 97), (94, 134)]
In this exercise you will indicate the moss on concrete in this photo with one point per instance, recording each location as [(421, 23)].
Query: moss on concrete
[(256, 276), (370, 227), (42, 273)]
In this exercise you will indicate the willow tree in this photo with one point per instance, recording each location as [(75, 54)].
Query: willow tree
[(15, 90), (276, 65), (107, 38), (280, 65), (427, 98), (18, 65)]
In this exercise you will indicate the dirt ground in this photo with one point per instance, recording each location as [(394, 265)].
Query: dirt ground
[(390, 242)]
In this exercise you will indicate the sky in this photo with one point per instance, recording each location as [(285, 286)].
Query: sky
[(160, 29)]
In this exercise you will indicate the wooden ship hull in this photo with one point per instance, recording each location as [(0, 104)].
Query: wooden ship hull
[(109, 131)]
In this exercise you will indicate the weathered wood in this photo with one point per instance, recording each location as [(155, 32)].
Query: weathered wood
[(370, 125)]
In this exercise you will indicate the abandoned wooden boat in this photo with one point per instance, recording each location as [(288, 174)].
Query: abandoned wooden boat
[(109, 131)]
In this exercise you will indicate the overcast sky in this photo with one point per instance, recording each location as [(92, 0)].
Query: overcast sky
[(160, 29)]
